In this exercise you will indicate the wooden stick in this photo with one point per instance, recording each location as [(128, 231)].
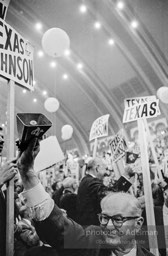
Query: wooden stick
[(153, 151), (153, 244), (135, 184), (10, 186), (95, 148)]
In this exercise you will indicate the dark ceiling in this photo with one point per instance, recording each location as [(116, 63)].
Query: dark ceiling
[(135, 65)]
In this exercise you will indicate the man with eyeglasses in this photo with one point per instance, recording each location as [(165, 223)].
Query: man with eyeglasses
[(120, 219)]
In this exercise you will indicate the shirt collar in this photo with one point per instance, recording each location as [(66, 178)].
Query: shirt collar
[(92, 175)]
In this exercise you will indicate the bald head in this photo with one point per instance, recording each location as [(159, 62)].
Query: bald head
[(97, 167), (121, 203)]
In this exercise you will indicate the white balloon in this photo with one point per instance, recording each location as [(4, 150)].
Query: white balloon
[(55, 41), (67, 132), (162, 94), (64, 137), (51, 104)]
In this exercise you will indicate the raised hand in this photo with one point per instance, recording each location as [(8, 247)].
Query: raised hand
[(25, 163), (8, 171)]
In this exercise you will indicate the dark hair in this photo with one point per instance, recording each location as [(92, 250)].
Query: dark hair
[(157, 194)]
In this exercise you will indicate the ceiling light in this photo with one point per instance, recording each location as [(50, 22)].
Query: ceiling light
[(3, 125), (53, 64), (24, 91), (111, 41), (34, 82), (83, 8), (34, 100), (65, 76), (38, 26), (67, 52), (97, 25), (120, 5), (79, 66), (40, 53), (44, 93), (134, 24)]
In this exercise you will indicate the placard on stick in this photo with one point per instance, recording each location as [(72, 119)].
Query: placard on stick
[(99, 129), (139, 109), (16, 65)]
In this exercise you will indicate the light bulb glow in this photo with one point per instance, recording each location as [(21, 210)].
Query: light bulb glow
[(79, 66), (83, 8), (120, 5), (34, 100), (65, 76), (44, 93), (40, 53), (38, 26), (53, 64), (97, 25), (67, 52), (134, 24), (111, 41), (24, 91)]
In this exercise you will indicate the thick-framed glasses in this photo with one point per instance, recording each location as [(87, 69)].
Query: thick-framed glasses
[(117, 220)]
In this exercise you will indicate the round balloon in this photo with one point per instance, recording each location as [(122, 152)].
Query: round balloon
[(162, 94), (67, 131), (55, 41), (51, 104), (64, 137)]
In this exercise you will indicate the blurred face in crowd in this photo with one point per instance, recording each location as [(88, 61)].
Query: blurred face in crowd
[(120, 219), (101, 168), (1, 140)]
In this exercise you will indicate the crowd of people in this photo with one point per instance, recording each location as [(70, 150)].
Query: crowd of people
[(99, 215)]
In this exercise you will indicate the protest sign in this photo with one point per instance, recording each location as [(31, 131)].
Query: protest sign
[(3, 8), (118, 146), (50, 154), (99, 127), (16, 56), (138, 111)]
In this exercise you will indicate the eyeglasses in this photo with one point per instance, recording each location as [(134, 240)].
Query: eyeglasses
[(117, 220)]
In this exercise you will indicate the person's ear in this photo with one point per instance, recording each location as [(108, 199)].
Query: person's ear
[(139, 223)]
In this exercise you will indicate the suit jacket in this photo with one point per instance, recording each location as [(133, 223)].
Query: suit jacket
[(71, 239), (90, 192)]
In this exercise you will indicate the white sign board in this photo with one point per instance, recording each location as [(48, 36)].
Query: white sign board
[(16, 56), (130, 102), (99, 127), (118, 146), (3, 8), (50, 154), (141, 109)]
